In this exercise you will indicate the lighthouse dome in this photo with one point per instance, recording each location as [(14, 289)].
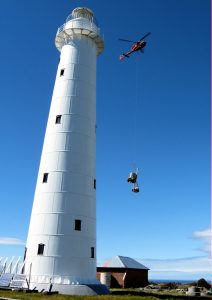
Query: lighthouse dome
[(82, 12)]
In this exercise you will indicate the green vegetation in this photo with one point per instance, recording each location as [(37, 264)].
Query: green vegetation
[(24, 296), (124, 294), (162, 291)]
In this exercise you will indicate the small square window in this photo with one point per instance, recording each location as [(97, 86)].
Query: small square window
[(40, 249), (58, 119), (62, 71), (92, 252), (94, 183), (45, 177), (78, 225)]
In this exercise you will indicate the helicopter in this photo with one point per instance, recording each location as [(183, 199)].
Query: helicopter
[(137, 46)]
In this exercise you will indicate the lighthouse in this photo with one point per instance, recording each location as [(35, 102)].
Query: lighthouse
[(60, 253)]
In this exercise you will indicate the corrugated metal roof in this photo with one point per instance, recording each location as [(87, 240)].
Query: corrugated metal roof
[(123, 262)]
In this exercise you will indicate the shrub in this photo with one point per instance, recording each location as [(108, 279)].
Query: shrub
[(203, 283), (170, 285)]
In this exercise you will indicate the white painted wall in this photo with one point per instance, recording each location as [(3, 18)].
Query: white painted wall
[(69, 157)]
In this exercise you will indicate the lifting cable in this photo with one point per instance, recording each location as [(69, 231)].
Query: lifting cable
[(135, 117), (132, 178)]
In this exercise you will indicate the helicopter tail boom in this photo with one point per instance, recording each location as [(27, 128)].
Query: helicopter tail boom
[(123, 56)]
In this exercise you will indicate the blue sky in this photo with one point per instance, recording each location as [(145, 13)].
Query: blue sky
[(153, 112)]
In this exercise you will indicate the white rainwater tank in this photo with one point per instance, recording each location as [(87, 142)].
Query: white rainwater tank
[(61, 243)]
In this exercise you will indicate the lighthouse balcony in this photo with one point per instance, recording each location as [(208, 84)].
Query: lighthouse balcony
[(79, 26)]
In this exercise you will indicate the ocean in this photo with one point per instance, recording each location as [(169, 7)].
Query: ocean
[(172, 280)]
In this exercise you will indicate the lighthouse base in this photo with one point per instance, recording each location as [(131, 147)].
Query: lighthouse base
[(73, 289)]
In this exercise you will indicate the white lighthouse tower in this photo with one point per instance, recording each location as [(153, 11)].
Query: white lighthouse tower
[(61, 244)]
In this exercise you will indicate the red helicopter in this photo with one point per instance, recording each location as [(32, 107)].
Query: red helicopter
[(137, 46)]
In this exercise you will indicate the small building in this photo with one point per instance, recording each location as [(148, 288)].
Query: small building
[(123, 272)]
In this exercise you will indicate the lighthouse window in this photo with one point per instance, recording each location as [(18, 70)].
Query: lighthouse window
[(40, 249), (78, 225), (58, 119), (62, 71), (94, 183), (92, 252), (45, 177)]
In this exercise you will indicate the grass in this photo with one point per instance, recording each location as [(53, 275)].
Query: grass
[(124, 294)]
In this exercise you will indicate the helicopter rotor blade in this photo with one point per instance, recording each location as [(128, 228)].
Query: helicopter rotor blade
[(123, 40), (145, 36)]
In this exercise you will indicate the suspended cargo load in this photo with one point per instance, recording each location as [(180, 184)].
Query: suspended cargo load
[(132, 177), (135, 189)]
